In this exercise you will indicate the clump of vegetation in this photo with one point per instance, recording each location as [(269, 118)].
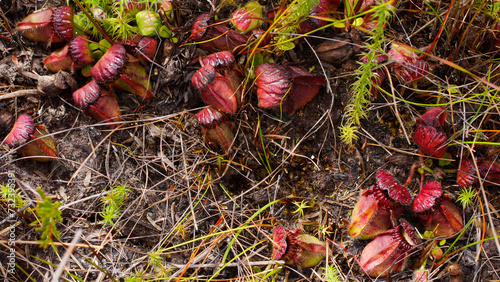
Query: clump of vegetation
[(357, 109), (12, 196), (123, 19), (48, 216), (466, 197), (287, 22), (112, 203)]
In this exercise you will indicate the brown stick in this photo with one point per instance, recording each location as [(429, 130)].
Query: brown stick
[(21, 93)]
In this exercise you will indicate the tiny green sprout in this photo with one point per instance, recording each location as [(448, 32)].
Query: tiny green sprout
[(12, 196), (331, 273), (113, 201), (48, 215), (349, 133), (466, 197), (323, 231), (155, 259), (301, 207)]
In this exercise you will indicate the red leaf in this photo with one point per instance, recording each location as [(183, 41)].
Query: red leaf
[(427, 197), (395, 190)]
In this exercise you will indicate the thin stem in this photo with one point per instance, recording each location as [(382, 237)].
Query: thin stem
[(94, 22)]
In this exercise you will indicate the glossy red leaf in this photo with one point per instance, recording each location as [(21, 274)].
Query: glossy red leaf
[(374, 213), (87, 94), (489, 172), (62, 22), (426, 199), (288, 88), (279, 242), (105, 109), (411, 72), (434, 117), (388, 251), (60, 60), (219, 59), (221, 94), (146, 48), (216, 128), (395, 190), (431, 141), (296, 248), (21, 131), (79, 50), (38, 27), (204, 76), (108, 68), (247, 18), (216, 36)]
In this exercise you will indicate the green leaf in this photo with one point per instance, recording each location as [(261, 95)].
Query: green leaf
[(165, 32), (286, 46), (49, 215), (443, 162)]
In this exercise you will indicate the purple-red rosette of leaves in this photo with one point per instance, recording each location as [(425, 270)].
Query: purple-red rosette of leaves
[(408, 66), (285, 87), (35, 140), (62, 22), (489, 171), (216, 36), (218, 130), (388, 251), (429, 135), (378, 208), (219, 82), (98, 102), (436, 211), (109, 66), (38, 27), (296, 248)]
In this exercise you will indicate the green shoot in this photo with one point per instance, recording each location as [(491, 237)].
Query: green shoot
[(324, 231), (113, 201), (120, 27), (155, 259), (158, 264), (357, 108), (12, 196), (466, 197), (49, 215), (348, 133), (289, 20), (301, 207), (331, 273)]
